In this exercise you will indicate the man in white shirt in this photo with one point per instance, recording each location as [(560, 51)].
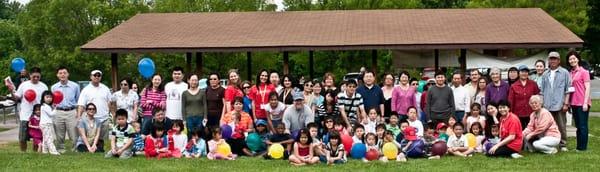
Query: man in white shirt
[(174, 89), (98, 94), (26, 106), (461, 98)]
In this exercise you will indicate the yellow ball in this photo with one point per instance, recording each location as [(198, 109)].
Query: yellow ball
[(224, 149), (276, 151), (471, 140), (390, 150)]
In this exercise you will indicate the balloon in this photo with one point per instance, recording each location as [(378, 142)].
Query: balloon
[(226, 131), (358, 151), (421, 86), (390, 151), (17, 64), (146, 67), (276, 151), (372, 155), (30, 95), (471, 140), (224, 149), (295, 134), (416, 149), (347, 142), (439, 148), (487, 146), (254, 142), (58, 97)]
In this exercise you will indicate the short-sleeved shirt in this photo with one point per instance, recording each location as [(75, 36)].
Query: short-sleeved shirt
[(214, 100), (337, 151), (454, 142), (350, 104), (231, 92), (277, 112), (373, 97), (89, 127), (127, 102), (511, 125), (174, 91), (259, 94), (122, 135), (280, 137), (579, 76), (100, 96), (26, 106), (70, 93)]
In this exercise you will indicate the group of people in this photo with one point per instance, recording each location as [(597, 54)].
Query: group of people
[(314, 121)]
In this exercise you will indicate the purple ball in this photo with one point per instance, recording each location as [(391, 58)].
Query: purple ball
[(226, 131)]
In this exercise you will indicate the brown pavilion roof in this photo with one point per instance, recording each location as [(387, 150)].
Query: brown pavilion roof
[(336, 30)]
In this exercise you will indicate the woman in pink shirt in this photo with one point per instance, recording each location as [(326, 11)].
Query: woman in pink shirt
[(542, 132), (153, 96), (580, 99), (403, 96)]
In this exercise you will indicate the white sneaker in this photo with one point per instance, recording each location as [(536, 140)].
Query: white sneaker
[(434, 157), (516, 155), (554, 151), (564, 149)]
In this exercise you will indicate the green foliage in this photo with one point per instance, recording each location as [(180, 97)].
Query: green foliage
[(592, 34)]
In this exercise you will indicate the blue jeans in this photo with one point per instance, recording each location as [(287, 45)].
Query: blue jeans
[(458, 116), (324, 160), (193, 123), (581, 122), (146, 122)]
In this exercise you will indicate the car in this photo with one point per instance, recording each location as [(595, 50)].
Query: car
[(587, 66), (352, 75)]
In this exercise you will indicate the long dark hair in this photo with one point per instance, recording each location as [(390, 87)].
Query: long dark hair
[(161, 86), (258, 77), (44, 94)]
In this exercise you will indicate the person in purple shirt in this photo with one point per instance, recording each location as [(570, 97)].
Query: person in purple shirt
[(371, 92), (497, 90)]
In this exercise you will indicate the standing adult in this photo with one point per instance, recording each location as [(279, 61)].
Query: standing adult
[(233, 89), (193, 105), (479, 96), (173, 90), (98, 94), (387, 89), (473, 86), (126, 99), (65, 117), (153, 97), (555, 89), (511, 134), (318, 100), (440, 101), (403, 96), (462, 101), (542, 132), (519, 95), (26, 106), (372, 93), (298, 116), (497, 90), (350, 104), (513, 75), (274, 80), (309, 97), (286, 95), (329, 84), (215, 100), (580, 99), (540, 67), (259, 94)]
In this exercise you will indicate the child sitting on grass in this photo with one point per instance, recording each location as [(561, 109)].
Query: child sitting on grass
[(138, 139), (214, 144), (318, 146), (371, 143), (303, 152), (334, 152), (457, 143), (121, 137), (196, 147), (280, 137), (154, 145)]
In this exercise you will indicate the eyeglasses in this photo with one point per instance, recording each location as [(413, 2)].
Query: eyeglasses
[(308, 85), (97, 75), (246, 87)]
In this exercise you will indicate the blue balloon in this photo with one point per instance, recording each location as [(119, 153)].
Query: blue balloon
[(146, 67), (358, 151), (17, 64), (416, 149), (226, 131)]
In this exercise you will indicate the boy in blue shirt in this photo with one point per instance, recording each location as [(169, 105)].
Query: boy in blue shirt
[(121, 137)]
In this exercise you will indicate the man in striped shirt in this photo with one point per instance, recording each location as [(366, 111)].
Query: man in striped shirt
[(351, 105)]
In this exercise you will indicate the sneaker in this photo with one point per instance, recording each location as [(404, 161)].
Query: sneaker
[(403, 159), (516, 155), (554, 151), (365, 160), (434, 157), (564, 149)]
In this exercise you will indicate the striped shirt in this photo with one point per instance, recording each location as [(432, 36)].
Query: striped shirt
[(157, 100), (350, 104)]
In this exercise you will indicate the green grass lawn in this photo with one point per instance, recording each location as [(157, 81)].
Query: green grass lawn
[(595, 105), (4, 129), (11, 159)]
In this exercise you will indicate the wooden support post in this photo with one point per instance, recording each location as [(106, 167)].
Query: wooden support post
[(199, 64), (311, 64), (114, 70), (249, 66), (463, 60), (188, 63), (374, 62), (436, 53), (286, 63)]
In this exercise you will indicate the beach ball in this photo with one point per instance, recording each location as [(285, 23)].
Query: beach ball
[(390, 150), (358, 151), (416, 149), (254, 142), (226, 131), (471, 140), (372, 155), (276, 151), (224, 149), (439, 148), (347, 142)]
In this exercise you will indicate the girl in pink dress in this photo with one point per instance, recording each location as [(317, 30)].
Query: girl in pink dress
[(34, 130)]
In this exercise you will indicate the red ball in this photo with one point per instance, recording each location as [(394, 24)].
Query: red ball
[(58, 97), (372, 155), (439, 148), (29, 95), (347, 142)]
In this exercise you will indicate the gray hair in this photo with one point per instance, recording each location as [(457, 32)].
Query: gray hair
[(536, 98), (495, 70)]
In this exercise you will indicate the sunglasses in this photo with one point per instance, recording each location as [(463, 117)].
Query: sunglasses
[(246, 87), (308, 85)]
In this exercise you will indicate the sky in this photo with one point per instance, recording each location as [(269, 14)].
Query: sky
[(278, 2)]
